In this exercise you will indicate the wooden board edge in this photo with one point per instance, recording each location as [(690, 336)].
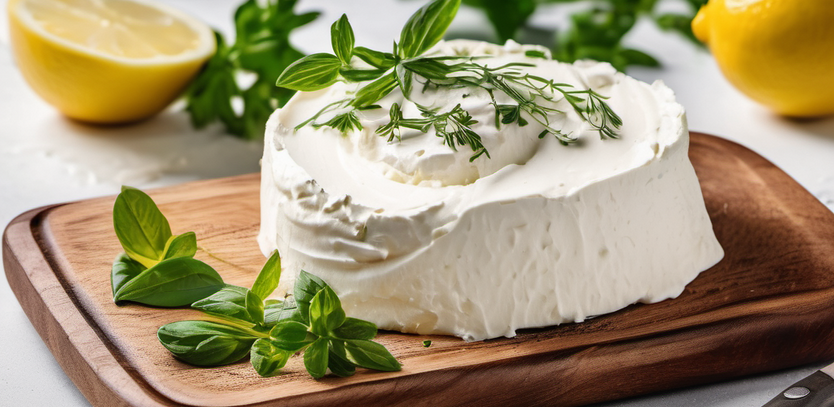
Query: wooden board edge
[(566, 377), (104, 381), (96, 373)]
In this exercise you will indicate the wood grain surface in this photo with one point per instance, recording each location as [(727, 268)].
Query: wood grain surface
[(769, 304)]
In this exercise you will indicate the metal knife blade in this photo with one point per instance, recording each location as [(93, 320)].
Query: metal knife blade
[(816, 390)]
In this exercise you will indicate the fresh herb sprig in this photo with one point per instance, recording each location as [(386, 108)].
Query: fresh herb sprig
[(157, 268), (311, 321), (262, 49), (532, 96), (454, 126)]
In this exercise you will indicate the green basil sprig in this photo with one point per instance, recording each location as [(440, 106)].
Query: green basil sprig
[(271, 331), (342, 343), (157, 268)]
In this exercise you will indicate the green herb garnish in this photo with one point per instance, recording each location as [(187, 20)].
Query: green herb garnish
[(405, 68), (261, 49), (171, 283), (157, 268), (426, 343), (311, 321)]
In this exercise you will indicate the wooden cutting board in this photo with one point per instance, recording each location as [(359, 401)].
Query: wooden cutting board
[(768, 305)]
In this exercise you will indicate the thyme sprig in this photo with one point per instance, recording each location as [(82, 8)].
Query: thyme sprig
[(531, 94), (533, 97), (455, 126)]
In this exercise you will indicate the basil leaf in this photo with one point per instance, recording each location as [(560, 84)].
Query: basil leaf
[(428, 68), (337, 359), (141, 228), (272, 309), (184, 245), (360, 75), (172, 283), (204, 343), (287, 310), (255, 307), (341, 37), (313, 72), (273, 303), (371, 355), (281, 310), (267, 280), (374, 91), (315, 358), (266, 358), (353, 328), (306, 287), (291, 336), (380, 60), (326, 313), (426, 27), (124, 269), (233, 302), (405, 78)]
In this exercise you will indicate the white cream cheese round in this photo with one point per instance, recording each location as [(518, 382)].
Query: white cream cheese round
[(415, 238)]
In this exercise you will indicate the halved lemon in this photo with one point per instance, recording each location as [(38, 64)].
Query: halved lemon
[(107, 61)]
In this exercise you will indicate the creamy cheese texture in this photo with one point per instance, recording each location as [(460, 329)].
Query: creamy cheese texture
[(416, 238)]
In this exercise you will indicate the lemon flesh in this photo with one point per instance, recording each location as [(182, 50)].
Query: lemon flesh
[(107, 61), (778, 52)]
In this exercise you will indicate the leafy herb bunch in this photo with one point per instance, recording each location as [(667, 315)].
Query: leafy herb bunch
[(270, 332), (596, 32), (159, 269), (262, 50), (533, 97)]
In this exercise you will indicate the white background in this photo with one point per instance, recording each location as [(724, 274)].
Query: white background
[(46, 159)]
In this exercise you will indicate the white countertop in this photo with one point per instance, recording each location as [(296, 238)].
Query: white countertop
[(47, 159)]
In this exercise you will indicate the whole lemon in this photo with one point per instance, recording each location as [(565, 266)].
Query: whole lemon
[(778, 52), (111, 61)]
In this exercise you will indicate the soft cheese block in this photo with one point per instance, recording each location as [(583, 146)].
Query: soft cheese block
[(416, 238)]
